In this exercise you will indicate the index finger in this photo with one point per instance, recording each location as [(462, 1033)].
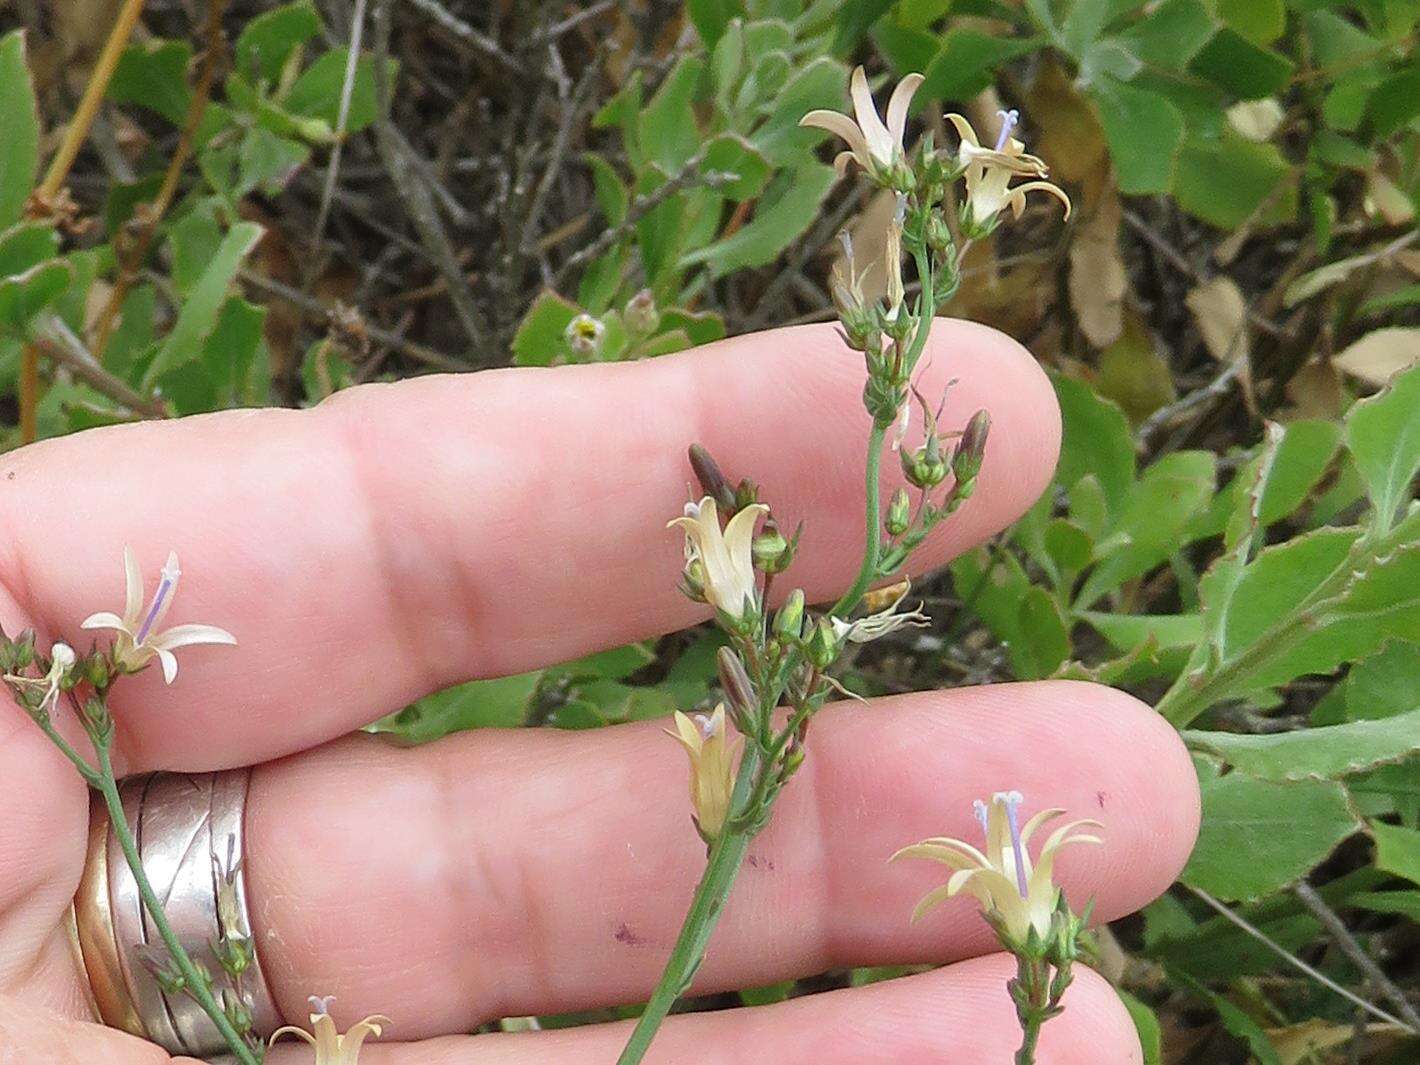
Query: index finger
[(401, 538)]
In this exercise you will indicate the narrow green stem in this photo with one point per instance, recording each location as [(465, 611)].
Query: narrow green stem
[(872, 548), (727, 854), (86, 771), (1031, 1029), (196, 985)]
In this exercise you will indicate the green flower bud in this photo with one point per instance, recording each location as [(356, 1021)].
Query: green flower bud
[(938, 233), (823, 644), (899, 513), (733, 678), (924, 467), (771, 552), (789, 622)]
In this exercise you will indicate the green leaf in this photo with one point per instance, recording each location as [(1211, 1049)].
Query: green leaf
[(1096, 442), (1237, 1022), (1404, 903), (1146, 1024), (1397, 850), (500, 703), (26, 294), (1395, 103), (967, 63), (1172, 33), (1159, 506), (1238, 65), (711, 17), (1224, 182), (19, 129), (1383, 435), (199, 312), (1044, 638), (1258, 836), (316, 93), (1325, 753), (819, 84), (153, 74), (788, 208), (1145, 132), (541, 338), (1260, 21), (24, 246), (1127, 631), (668, 130), (1386, 684), (268, 40), (730, 153)]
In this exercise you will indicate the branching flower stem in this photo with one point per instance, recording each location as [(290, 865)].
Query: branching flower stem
[(758, 781)]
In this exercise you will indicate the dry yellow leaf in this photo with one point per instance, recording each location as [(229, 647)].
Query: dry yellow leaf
[(1378, 356), (1384, 197), (1314, 392), (1097, 278)]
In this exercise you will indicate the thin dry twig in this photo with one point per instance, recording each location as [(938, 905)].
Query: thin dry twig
[(56, 340), (1336, 928), (316, 309), (397, 154), (1297, 963)]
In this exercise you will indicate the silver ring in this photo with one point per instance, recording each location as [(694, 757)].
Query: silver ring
[(190, 834)]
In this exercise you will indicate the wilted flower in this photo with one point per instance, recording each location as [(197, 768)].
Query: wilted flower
[(332, 1048), (1021, 895), (873, 145), (712, 767), (585, 335), (61, 661), (877, 625), (138, 641), (723, 559), (989, 172)]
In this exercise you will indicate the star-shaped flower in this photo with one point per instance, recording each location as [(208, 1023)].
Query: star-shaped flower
[(725, 556), (989, 172), (139, 641), (332, 1048), (1022, 895)]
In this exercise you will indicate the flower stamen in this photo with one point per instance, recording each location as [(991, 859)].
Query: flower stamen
[(170, 575), (1009, 120)]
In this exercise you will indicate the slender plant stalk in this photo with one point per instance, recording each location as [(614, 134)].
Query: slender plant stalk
[(74, 137), (872, 549), (196, 111), (727, 854), (196, 985)]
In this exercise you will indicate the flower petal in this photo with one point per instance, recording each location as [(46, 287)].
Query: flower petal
[(880, 145), (350, 1043), (1028, 829), (291, 1029), (104, 619), (953, 852), (133, 587), (964, 130), (187, 635), (839, 125), (898, 106), (169, 663), (1017, 195), (930, 901)]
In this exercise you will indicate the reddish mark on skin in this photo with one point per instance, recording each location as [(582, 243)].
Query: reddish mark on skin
[(1099, 798), (623, 934), (754, 863)]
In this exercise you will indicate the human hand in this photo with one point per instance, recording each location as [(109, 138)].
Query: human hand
[(398, 539)]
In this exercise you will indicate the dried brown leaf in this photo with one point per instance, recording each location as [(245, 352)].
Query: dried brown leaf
[(1220, 310), (1379, 355), (1097, 278)]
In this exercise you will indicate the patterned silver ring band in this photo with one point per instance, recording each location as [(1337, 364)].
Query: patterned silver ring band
[(189, 829)]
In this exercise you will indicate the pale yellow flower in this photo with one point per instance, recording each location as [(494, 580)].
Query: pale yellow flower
[(332, 1048), (138, 641), (712, 767), (873, 144), (725, 555), (1003, 879), (989, 172)]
